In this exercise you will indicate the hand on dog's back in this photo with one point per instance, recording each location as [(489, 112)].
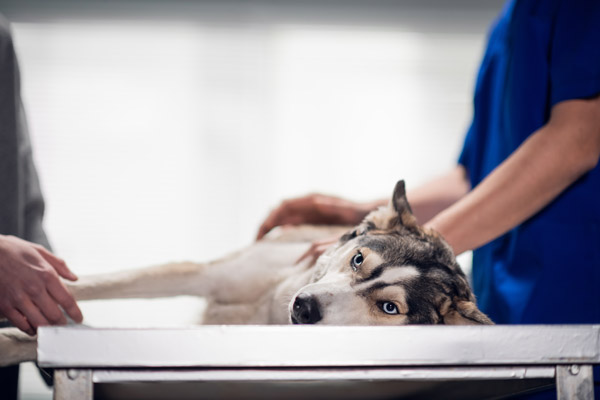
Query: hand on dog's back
[(315, 209)]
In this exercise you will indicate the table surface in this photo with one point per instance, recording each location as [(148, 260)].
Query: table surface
[(297, 362), (319, 346)]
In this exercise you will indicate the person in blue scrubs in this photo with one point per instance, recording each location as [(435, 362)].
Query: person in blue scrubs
[(525, 195), (536, 130)]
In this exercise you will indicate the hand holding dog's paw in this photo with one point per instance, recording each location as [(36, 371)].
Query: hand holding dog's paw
[(31, 292)]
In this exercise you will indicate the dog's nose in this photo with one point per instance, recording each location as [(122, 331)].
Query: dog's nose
[(305, 310)]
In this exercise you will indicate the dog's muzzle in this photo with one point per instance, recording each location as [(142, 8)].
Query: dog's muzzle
[(305, 310)]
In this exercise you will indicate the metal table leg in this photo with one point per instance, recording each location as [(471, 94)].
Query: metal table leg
[(72, 384), (575, 382)]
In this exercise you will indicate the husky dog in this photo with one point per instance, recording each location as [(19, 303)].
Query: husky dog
[(386, 271)]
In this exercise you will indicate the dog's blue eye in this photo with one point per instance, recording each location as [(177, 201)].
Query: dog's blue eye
[(389, 308), (356, 261)]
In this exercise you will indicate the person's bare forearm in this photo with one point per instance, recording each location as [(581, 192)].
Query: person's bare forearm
[(536, 173), (438, 194), (432, 197)]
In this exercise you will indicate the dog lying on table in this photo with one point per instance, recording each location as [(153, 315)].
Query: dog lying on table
[(385, 271)]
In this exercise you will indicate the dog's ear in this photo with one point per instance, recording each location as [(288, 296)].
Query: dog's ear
[(397, 214), (399, 201), (400, 205), (465, 313)]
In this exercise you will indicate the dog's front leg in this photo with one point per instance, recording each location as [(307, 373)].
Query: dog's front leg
[(165, 280), (16, 347), (242, 277)]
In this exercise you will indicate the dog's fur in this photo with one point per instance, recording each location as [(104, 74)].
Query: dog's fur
[(386, 271)]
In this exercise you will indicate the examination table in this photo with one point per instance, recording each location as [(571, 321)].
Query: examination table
[(297, 362)]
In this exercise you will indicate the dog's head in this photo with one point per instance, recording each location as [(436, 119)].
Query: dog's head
[(387, 271)]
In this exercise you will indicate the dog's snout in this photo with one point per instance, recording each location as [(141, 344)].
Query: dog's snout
[(305, 310)]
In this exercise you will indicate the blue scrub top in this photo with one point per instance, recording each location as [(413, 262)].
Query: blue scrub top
[(546, 270)]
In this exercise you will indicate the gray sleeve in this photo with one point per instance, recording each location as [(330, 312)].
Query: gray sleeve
[(21, 201), (33, 205)]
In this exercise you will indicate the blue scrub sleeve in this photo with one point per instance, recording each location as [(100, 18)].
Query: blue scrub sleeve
[(466, 154), (575, 56)]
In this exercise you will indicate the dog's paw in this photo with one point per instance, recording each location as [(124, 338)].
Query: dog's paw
[(16, 347)]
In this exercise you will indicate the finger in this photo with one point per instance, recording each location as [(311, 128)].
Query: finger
[(264, 229), (291, 211), (320, 250), (279, 216), (269, 224), (57, 263), (33, 314), (49, 309), (65, 299), (261, 232), (314, 258), (315, 250), (308, 253), (304, 256), (19, 321)]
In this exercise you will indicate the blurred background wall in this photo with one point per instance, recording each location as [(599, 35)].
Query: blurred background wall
[(167, 130)]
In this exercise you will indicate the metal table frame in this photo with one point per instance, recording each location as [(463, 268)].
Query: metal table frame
[(85, 357)]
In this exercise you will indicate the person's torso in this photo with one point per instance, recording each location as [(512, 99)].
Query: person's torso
[(547, 269)]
